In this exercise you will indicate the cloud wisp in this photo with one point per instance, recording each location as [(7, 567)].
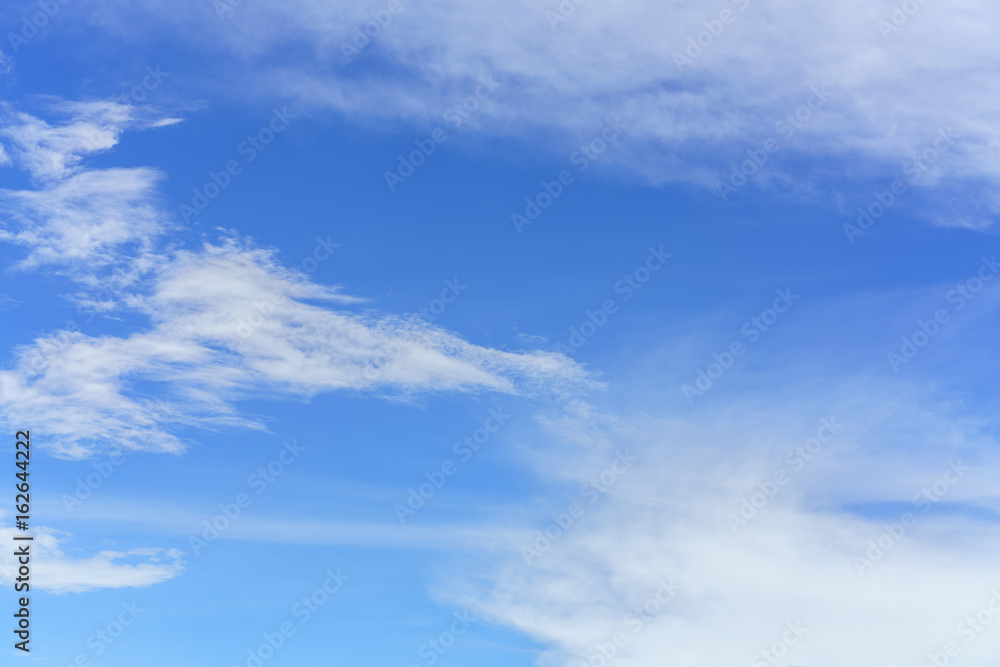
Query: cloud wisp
[(57, 572), (823, 514), (225, 321), (852, 84)]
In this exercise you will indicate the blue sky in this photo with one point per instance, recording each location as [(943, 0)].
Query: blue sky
[(616, 371)]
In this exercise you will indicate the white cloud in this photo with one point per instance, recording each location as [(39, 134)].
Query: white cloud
[(86, 223), (226, 321), (53, 570), (50, 152), (666, 518), (888, 96), (89, 218), (202, 350)]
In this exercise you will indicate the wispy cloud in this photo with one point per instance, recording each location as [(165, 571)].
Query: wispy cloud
[(54, 152), (225, 321), (667, 518), (88, 218), (84, 223), (195, 349), (55, 571), (747, 73)]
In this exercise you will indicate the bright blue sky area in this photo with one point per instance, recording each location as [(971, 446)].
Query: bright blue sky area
[(322, 177)]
